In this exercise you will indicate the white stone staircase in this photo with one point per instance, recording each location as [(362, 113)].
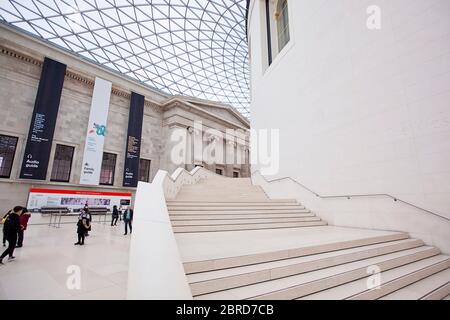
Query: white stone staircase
[(236, 243), (225, 204)]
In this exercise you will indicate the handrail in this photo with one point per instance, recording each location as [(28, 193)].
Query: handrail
[(349, 196)]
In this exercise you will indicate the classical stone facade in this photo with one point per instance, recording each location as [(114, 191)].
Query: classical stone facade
[(21, 59)]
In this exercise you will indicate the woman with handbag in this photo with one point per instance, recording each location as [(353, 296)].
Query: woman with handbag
[(83, 225), (12, 227), (115, 216), (3, 222)]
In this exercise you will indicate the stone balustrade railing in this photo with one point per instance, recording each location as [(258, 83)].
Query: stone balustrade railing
[(155, 266)]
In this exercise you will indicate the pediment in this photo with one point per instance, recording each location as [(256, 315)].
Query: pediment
[(218, 110)]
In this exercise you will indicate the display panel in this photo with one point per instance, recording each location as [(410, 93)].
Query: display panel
[(75, 199)]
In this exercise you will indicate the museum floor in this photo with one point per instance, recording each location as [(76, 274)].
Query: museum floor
[(44, 267), (40, 268)]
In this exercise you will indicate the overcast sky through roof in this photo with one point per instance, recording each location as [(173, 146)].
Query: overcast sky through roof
[(189, 47)]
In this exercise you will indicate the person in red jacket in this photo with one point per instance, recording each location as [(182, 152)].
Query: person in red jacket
[(23, 226)]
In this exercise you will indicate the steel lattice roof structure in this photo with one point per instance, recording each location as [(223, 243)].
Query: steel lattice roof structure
[(187, 47)]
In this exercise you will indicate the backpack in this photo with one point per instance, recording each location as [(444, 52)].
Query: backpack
[(5, 217), (7, 224)]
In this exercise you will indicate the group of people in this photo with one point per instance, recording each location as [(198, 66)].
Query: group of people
[(14, 223), (85, 220), (125, 215)]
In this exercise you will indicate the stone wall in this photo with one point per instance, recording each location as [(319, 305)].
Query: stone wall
[(20, 69), (19, 81)]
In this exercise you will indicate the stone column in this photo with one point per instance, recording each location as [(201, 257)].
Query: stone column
[(174, 155), (209, 145), (244, 154), (198, 147), (189, 149), (230, 157)]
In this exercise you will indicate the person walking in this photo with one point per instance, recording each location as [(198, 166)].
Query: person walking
[(3, 222), (115, 216), (24, 217), (11, 227), (83, 225), (128, 219)]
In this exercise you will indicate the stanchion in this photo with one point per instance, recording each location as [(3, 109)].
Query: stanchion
[(59, 221), (50, 222)]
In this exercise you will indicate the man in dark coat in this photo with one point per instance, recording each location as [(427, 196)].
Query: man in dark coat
[(3, 222), (12, 227), (128, 219)]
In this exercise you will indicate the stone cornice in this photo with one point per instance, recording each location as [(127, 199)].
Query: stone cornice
[(73, 75), (188, 103)]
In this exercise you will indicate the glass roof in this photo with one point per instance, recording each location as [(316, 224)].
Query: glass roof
[(189, 47)]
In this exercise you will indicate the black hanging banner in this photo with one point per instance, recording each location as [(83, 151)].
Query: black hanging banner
[(43, 121), (133, 151)]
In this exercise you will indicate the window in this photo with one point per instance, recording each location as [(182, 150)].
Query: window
[(108, 169), (235, 174), (276, 16), (282, 16), (144, 170), (219, 171), (62, 163), (269, 33), (8, 146)]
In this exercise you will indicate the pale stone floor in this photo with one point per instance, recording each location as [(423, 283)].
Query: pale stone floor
[(216, 245), (40, 268)]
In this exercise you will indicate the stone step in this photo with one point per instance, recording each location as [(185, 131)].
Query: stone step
[(236, 212), (221, 182), (225, 262), (307, 283), (234, 208), (221, 195), (225, 188), (233, 203), (206, 222), (399, 283), (440, 293), (223, 179), (217, 185), (356, 287), (207, 282), (280, 200), (219, 228), (189, 217), (220, 191), (434, 287), (218, 197)]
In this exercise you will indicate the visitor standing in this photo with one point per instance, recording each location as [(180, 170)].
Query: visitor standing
[(83, 225), (115, 216), (128, 219), (3, 222), (24, 217), (11, 227), (89, 215)]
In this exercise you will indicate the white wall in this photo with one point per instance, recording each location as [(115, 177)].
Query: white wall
[(359, 110), (378, 212)]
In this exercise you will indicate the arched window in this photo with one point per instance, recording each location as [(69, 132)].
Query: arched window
[(282, 16)]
